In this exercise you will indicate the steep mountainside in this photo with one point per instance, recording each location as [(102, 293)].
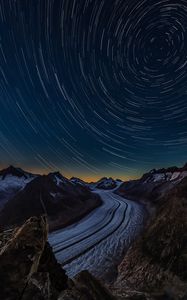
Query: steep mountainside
[(152, 186), (53, 195), (11, 181), (157, 263), (76, 180)]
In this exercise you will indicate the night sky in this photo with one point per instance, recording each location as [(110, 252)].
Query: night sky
[(93, 87)]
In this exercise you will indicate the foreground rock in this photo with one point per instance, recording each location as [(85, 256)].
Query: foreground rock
[(85, 287), (29, 270)]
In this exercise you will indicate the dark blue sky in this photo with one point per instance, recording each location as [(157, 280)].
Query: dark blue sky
[(93, 88)]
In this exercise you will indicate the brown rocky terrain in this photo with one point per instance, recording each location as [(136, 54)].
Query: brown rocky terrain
[(155, 267), (29, 270), (27, 264)]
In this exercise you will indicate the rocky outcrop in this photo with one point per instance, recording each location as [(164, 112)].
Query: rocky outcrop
[(27, 264), (156, 264), (85, 287), (29, 270)]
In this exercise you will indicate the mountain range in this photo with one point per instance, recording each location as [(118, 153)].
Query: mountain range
[(64, 201), (153, 185), (154, 267)]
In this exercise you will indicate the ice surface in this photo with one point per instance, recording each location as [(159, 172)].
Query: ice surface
[(98, 241)]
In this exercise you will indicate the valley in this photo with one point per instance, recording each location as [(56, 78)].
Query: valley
[(66, 239), (97, 243)]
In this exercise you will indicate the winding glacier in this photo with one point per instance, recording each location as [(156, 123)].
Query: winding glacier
[(98, 242)]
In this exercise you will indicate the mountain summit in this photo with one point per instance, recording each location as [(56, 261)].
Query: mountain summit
[(12, 180), (16, 172)]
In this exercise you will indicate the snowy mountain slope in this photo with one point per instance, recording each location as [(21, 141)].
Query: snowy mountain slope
[(105, 183), (166, 176), (52, 194), (76, 180), (12, 180), (152, 186)]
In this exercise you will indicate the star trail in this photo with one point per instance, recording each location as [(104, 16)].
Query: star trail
[(93, 88)]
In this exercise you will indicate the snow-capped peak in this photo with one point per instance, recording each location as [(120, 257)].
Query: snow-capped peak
[(172, 174), (76, 180), (16, 172), (11, 181), (58, 178)]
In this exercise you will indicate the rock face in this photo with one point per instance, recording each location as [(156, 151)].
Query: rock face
[(157, 263), (27, 264), (85, 287), (53, 195), (29, 270)]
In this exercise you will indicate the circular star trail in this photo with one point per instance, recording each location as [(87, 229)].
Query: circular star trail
[(93, 87)]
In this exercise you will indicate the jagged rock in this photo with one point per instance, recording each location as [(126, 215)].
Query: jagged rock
[(49, 264), (19, 258), (28, 268), (85, 287), (38, 288), (5, 236)]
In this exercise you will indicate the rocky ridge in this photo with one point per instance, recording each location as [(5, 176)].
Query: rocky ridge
[(152, 186)]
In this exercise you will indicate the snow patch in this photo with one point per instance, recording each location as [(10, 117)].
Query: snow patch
[(11, 182)]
